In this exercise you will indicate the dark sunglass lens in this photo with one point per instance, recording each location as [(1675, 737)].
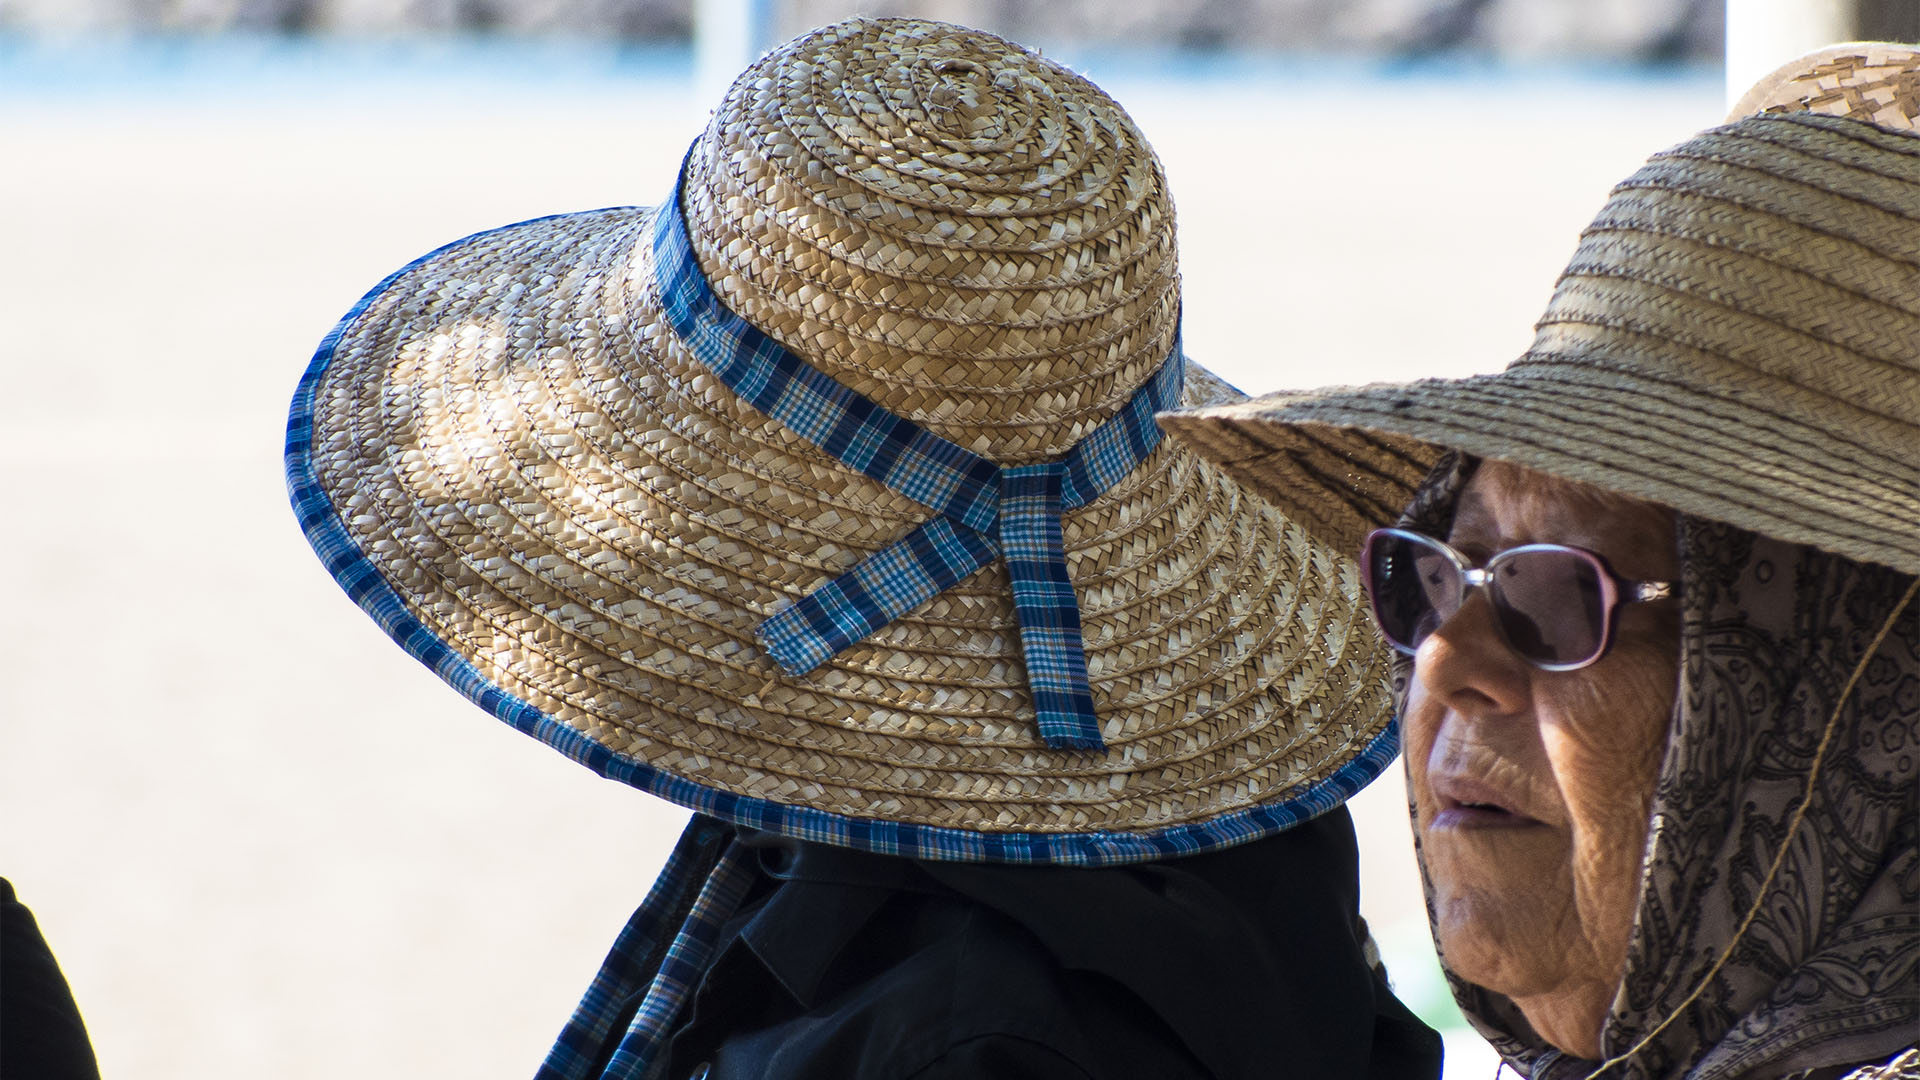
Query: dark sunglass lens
[(1550, 605), (1415, 588)]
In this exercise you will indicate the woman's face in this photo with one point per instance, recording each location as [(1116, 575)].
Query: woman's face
[(1532, 788)]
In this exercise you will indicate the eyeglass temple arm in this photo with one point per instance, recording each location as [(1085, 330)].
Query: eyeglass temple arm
[(1648, 590)]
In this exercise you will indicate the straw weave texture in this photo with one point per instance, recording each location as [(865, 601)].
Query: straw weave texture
[(1737, 336), (1867, 80), (979, 246), (980, 241)]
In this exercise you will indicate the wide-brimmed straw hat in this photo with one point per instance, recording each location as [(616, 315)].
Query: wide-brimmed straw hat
[(1737, 337), (720, 497)]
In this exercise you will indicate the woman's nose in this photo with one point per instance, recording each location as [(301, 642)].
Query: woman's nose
[(1467, 664)]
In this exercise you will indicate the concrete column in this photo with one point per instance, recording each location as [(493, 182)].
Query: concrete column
[(727, 36), (1763, 34)]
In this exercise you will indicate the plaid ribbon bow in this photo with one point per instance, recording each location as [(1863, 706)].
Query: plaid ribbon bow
[(983, 511)]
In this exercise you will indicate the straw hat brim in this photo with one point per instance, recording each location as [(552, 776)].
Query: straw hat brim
[(506, 457), (1761, 464), (1734, 338), (1338, 478)]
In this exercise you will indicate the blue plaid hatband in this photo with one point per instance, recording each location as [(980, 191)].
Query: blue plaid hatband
[(986, 511)]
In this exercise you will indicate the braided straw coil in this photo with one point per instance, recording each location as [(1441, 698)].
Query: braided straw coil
[(1867, 80), (511, 460), (1737, 337)]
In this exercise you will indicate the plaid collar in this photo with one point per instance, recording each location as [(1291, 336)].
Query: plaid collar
[(984, 511), (626, 1017)]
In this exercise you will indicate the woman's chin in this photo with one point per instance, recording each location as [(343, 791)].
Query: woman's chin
[(1504, 940), (1513, 947)]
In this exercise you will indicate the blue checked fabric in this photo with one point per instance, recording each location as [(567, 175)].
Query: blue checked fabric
[(984, 511), (642, 990)]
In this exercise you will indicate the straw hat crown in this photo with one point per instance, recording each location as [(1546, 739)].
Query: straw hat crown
[(970, 235), (521, 456)]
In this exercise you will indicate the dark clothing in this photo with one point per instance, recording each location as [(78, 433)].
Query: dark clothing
[(1240, 963), (41, 1035)]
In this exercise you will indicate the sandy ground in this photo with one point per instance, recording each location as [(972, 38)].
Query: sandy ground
[(266, 843)]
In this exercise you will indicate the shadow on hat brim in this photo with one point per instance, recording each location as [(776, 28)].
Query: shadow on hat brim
[(1337, 480)]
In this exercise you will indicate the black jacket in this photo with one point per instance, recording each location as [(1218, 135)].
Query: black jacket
[(41, 1034), (1241, 963)]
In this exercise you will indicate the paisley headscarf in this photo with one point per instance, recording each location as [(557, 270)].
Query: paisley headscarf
[(1827, 972)]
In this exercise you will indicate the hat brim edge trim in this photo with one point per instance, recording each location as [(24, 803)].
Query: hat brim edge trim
[(362, 581)]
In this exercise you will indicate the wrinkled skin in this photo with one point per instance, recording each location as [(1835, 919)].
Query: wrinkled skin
[(1532, 788)]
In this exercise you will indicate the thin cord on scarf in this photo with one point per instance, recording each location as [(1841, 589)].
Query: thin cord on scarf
[(1779, 856)]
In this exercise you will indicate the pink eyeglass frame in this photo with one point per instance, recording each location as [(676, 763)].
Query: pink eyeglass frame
[(1615, 591)]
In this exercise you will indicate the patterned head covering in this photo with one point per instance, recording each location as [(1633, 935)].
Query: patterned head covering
[(1828, 970)]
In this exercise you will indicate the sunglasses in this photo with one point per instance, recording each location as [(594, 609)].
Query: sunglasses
[(1554, 605)]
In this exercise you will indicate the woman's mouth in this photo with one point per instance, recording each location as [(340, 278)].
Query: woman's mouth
[(1462, 803)]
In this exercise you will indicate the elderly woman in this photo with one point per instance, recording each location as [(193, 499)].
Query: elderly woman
[(1655, 602)]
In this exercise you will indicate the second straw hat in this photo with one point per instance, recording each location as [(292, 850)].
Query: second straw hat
[(824, 496), (1737, 337)]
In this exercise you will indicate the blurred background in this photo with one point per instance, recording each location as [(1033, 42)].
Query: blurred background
[(261, 840)]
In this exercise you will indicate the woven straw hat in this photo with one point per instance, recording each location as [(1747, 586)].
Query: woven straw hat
[(1867, 80), (527, 456), (1737, 337)]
